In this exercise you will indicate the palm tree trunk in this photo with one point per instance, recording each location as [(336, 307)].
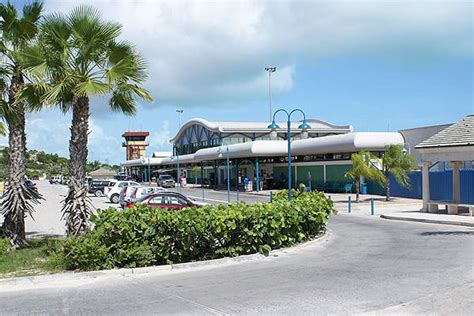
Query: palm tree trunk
[(387, 185), (77, 207), (16, 203)]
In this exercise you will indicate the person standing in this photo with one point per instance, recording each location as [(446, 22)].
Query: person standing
[(246, 183)]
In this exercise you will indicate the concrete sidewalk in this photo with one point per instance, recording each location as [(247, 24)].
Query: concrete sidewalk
[(397, 209)]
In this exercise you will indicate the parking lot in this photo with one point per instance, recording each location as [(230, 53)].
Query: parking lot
[(47, 217)]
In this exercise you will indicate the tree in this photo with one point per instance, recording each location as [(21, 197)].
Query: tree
[(16, 33), (396, 162), (362, 167), (79, 56)]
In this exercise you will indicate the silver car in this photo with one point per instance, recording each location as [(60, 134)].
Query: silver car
[(166, 181)]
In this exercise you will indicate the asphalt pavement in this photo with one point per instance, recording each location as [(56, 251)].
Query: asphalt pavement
[(365, 265)]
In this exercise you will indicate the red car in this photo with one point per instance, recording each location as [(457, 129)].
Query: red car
[(170, 200)]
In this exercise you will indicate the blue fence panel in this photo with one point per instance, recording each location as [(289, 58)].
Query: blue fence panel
[(414, 190), (441, 186), (467, 186)]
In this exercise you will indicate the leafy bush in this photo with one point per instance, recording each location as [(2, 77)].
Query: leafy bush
[(4, 246), (143, 236)]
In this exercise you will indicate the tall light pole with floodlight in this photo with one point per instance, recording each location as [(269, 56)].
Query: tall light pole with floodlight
[(179, 112), (270, 70), (303, 126)]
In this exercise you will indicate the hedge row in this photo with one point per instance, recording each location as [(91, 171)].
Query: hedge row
[(142, 236)]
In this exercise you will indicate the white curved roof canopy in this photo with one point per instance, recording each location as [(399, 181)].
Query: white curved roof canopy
[(345, 143), (258, 148), (317, 126), (351, 142)]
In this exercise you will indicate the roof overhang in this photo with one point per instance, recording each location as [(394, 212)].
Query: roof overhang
[(261, 127), (258, 148), (448, 153), (346, 143)]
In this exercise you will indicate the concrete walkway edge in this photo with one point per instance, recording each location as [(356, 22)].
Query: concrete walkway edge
[(425, 220)]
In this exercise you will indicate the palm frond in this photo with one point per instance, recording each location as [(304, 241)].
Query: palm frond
[(91, 87), (122, 101), (32, 12)]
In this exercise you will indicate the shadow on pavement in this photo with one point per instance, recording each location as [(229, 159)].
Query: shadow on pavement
[(447, 233)]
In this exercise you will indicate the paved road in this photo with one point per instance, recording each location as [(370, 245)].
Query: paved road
[(214, 197), (366, 265)]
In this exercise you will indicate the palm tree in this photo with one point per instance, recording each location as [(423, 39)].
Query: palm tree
[(398, 163), (362, 167), (16, 33), (79, 56)]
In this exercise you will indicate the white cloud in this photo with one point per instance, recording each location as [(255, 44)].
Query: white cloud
[(160, 139), (209, 52), (54, 138)]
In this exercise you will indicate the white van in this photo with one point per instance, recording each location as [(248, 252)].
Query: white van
[(114, 188)]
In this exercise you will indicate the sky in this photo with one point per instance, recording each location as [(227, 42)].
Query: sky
[(376, 65)]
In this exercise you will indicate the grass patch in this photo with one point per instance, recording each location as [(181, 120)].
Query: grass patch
[(42, 256)]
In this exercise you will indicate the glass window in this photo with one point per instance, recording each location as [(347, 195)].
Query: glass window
[(157, 200), (173, 200), (123, 184)]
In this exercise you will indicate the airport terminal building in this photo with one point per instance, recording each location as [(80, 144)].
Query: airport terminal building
[(320, 153)]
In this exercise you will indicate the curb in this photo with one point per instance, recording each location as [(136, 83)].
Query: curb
[(424, 220), (78, 278)]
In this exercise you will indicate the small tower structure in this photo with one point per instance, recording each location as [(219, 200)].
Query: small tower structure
[(135, 144)]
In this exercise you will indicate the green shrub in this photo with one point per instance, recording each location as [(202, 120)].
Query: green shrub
[(4, 246), (143, 236)]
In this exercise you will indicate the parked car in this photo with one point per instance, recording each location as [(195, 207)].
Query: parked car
[(113, 193), (130, 192), (134, 193), (170, 200), (97, 187), (55, 179), (110, 186), (31, 185), (166, 181)]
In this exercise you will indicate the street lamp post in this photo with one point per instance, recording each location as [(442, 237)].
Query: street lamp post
[(303, 126), (179, 112), (270, 70), (228, 170)]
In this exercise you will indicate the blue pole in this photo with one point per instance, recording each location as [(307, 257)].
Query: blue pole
[(177, 173), (228, 176), (288, 136), (258, 176), (237, 177), (349, 204), (371, 206), (271, 196)]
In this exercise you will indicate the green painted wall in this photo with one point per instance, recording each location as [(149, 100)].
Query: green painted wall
[(336, 173), (317, 175)]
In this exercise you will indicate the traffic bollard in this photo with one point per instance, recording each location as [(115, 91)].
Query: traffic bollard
[(271, 196), (372, 206), (349, 204), (203, 193)]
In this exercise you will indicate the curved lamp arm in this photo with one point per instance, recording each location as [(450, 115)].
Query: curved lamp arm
[(281, 110)]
